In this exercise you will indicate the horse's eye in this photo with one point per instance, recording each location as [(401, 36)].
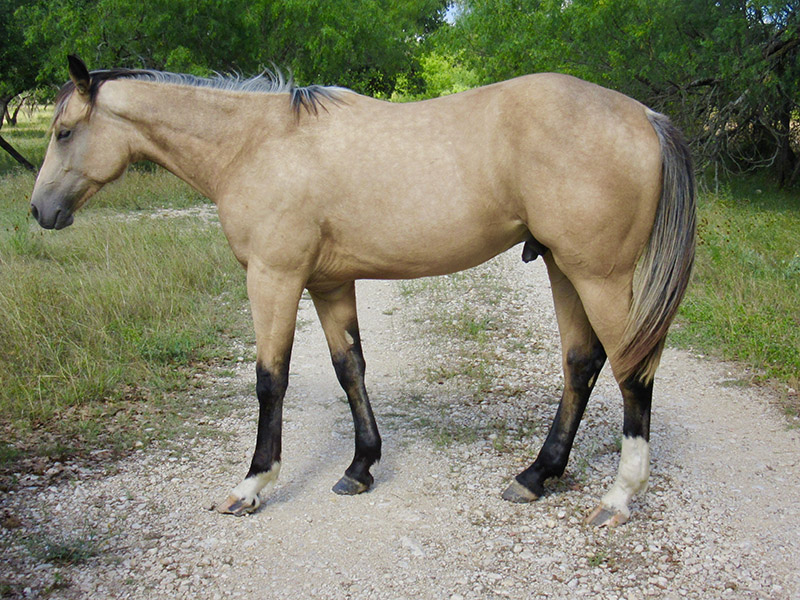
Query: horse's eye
[(63, 134)]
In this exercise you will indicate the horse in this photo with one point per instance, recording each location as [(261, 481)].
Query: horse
[(317, 187)]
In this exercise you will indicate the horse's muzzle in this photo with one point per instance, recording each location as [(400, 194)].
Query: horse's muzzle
[(52, 216)]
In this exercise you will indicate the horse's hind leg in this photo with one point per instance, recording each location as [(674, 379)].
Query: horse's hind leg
[(583, 358), (634, 462), (606, 303), (337, 313)]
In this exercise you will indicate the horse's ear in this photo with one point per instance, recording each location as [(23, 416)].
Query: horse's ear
[(79, 74)]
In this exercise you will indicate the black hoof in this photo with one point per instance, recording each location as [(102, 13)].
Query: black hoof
[(347, 486), (516, 492)]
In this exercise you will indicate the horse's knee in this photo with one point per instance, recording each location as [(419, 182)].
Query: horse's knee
[(349, 367)]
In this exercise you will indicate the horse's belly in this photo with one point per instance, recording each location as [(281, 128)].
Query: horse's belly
[(407, 253)]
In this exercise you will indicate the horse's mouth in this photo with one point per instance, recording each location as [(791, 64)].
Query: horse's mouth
[(64, 219)]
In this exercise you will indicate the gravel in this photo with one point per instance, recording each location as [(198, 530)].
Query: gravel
[(464, 377)]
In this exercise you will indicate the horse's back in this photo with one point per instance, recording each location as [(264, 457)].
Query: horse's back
[(404, 190)]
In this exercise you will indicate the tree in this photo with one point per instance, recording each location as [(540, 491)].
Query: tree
[(726, 70), (17, 68), (364, 45)]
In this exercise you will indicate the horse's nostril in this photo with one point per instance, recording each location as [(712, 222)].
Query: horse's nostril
[(34, 212)]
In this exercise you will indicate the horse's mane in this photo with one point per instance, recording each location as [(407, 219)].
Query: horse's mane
[(311, 98)]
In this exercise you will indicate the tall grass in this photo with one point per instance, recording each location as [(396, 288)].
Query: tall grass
[(744, 301), (113, 307), (28, 137)]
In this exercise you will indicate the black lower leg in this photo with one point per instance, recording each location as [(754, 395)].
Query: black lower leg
[(582, 369), (350, 367), (637, 398), (270, 388)]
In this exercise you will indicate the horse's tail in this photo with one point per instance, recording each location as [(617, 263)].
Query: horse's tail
[(666, 263)]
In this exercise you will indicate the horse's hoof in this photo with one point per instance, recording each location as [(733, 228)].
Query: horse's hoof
[(606, 517), (516, 492), (347, 486), (233, 505)]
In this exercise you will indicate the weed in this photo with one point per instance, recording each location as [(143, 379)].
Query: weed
[(63, 549), (598, 558)]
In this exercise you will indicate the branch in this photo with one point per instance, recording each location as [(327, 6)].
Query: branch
[(16, 155)]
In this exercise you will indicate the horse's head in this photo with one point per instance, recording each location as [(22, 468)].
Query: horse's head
[(84, 152)]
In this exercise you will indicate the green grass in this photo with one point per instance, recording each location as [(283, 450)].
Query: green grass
[(68, 548), (744, 300), (28, 137), (104, 321)]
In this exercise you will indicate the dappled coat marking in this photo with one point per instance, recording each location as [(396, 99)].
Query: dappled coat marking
[(317, 187)]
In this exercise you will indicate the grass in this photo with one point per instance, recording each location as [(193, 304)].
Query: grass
[(69, 548), (103, 322), (28, 137), (461, 312), (108, 311), (462, 307), (744, 301)]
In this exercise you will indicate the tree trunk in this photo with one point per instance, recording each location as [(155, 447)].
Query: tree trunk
[(8, 147), (786, 159), (12, 117), (16, 155)]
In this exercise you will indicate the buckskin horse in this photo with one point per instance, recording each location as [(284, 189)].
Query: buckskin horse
[(317, 187)]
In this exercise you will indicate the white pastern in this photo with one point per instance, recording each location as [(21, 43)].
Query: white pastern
[(249, 488), (634, 469)]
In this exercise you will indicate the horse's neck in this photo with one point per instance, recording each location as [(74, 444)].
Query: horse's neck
[(195, 133)]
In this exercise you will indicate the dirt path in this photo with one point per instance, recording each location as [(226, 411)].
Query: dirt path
[(721, 519)]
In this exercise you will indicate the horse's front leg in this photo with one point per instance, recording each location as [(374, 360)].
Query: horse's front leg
[(274, 297), (337, 313)]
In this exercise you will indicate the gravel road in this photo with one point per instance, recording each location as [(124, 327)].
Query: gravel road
[(464, 378)]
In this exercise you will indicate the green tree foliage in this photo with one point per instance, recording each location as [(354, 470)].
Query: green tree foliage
[(17, 64), (17, 68), (726, 70), (365, 45)]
